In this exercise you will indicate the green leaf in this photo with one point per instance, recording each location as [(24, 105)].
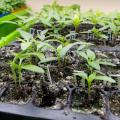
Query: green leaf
[(81, 47), (32, 68), (104, 36), (25, 45), (10, 22), (81, 74), (107, 63), (38, 54), (44, 32), (91, 54), (67, 48), (76, 20), (22, 55), (94, 64), (25, 35), (105, 78), (41, 44), (13, 65), (49, 59), (83, 54), (91, 77), (45, 22), (59, 48)]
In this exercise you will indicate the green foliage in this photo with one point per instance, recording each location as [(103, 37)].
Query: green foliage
[(91, 77), (61, 52), (10, 5), (94, 17), (50, 45), (98, 33), (17, 65), (55, 15), (32, 68), (91, 59), (94, 69), (30, 48), (76, 21)]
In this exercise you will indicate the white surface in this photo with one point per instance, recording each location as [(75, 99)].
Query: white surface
[(103, 5)]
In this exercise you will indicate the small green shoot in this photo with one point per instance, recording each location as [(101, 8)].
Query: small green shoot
[(76, 21)]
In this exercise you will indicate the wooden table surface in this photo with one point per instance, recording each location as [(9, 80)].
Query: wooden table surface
[(103, 5)]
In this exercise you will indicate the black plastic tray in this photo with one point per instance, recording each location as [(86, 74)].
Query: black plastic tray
[(28, 111)]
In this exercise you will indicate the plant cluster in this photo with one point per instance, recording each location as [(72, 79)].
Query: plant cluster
[(37, 47), (10, 5), (41, 51), (49, 47), (57, 18), (93, 71)]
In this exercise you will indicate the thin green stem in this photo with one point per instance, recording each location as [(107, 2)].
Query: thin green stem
[(89, 89)]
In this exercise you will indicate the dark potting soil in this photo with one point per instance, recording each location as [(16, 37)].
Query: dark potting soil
[(17, 94), (51, 97), (54, 95), (115, 103), (82, 34), (93, 104)]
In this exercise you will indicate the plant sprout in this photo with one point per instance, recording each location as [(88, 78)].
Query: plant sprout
[(92, 77), (92, 60), (76, 21), (29, 48), (61, 52), (10, 5), (94, 68), (17, 65)]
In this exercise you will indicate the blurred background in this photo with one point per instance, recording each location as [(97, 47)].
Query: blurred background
[(103, 5)]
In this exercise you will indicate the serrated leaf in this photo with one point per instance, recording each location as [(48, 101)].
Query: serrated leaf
[(32, 68)]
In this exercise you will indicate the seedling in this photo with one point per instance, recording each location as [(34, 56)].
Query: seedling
[(29, 48), (10, 5), (92, 60), (61, 52), (56, 17), (18, 64), (94, 69), (76, 21), (98, 33), (94, 17), (93, 76)]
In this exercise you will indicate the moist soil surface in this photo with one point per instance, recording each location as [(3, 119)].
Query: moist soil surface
[(51, 90)]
